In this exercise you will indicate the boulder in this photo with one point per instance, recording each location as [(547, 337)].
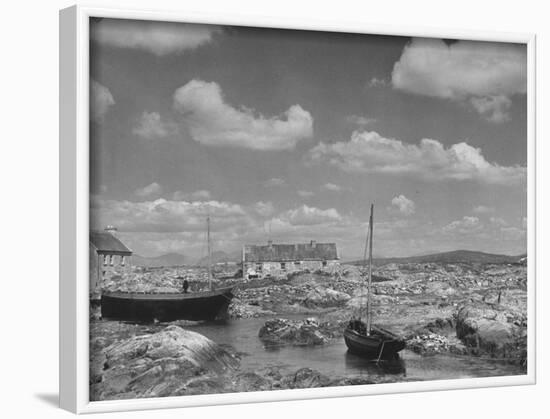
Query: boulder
[(486, 329), (165, 363), (325, 297), (278, 332), (305, 378)]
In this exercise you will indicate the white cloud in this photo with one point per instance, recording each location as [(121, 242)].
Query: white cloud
[(162, 215), (152, 126), (200, 195), (376, 82), (149, 190), (360, 120), (264, 209), (332, 187), (305, 194), (483, 74), (467, 225), (159, 38), (306, 215), (482, 209), (368, 152), (403, 205), (493, 108), (213, 122), (101, 101), (274, 182)]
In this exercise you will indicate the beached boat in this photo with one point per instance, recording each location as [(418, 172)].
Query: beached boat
[(205, 305), (364, 338), (211, 304)]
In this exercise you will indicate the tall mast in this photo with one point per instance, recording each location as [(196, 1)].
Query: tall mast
[(209, 252), (369, 302)]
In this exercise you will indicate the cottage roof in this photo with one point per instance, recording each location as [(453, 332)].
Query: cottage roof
[(290, 252), (105, 242)]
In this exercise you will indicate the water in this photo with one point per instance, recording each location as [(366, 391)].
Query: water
[(333, 360)]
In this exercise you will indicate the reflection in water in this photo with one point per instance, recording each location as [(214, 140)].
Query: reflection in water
[(372, 367)]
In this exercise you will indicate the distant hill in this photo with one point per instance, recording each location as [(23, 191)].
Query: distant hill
[(456, 256), (169, 259), (220, 257)]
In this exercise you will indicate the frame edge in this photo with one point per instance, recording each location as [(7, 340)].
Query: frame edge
[(68, 382)]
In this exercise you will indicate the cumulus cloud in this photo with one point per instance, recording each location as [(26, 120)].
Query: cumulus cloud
[(101, 101), (213, 122), (369, 152), (264, 209), (274, 182), (482, 74), (496, 230), (466, 225), (403, 205), (149, 190), (152, 126), (493, 108), (200, 195), (159, 38), (306, 215), (163, 215)]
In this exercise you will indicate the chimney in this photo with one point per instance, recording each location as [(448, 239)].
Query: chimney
[(111, 229), (313, 244)]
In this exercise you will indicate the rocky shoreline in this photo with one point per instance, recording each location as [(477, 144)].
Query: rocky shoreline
[(471, 310)]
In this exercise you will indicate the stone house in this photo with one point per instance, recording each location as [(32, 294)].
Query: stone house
[(261, 261), (108, 256)]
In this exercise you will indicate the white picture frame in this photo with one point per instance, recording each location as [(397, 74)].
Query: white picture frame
[(74, 212)]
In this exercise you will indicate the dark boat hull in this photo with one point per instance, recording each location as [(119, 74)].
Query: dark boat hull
[(380, 344), (209, 305)]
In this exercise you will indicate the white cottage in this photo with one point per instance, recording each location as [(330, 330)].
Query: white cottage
[(272, 259)]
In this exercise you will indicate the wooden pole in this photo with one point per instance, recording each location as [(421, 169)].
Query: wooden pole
[(209, 253), (369, 301)]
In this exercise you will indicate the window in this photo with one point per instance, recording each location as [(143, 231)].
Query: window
[(297, 263), (112, 260), (104, 259), (324, 263), (259, 267), (122, 260), (283, 266)]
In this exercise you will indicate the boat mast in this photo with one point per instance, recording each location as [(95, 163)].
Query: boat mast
[(369, 302), (209, 253)]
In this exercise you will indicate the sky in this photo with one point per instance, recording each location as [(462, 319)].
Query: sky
[(291, 135)]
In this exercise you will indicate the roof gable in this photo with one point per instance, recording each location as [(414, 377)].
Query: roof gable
[(290, 252), (106, 242)]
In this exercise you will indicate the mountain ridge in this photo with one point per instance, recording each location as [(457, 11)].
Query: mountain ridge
[(454, 256)]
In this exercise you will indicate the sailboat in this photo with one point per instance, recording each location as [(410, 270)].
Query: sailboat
[(211, 304), (364, 338)]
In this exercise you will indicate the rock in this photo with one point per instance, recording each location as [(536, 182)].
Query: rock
[(165, 363), (251, 381), (428, 344), (487, 330), (292, 332), (305, 378), (325, 297)]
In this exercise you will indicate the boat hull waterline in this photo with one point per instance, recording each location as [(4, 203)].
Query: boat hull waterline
[(208, 305), (379, 344)]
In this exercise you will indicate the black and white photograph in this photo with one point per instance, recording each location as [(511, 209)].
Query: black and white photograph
[(276, 209)]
